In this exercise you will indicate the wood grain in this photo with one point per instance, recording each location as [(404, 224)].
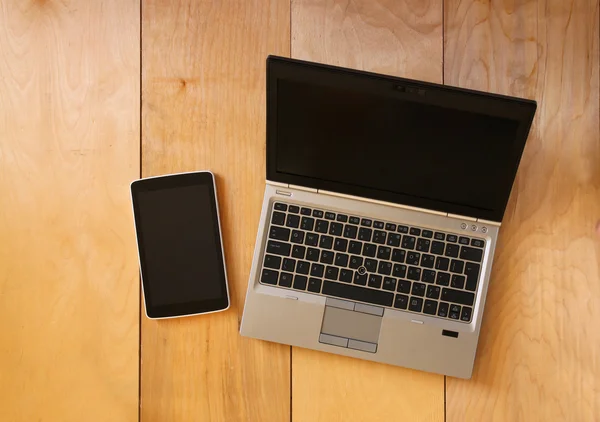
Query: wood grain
[(398, 38), (539, 351), (204, 108), (69, 131)]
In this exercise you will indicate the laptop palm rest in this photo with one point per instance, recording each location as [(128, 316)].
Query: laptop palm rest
[(351, 325)]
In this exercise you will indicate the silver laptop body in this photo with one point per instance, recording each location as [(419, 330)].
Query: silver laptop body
[(363, 276)]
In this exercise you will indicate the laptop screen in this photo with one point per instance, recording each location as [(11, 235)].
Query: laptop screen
[(392, 145)]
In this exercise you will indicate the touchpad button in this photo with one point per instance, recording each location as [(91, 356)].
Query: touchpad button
[(350, 324)]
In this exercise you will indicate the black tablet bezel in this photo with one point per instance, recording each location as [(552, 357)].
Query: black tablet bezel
[(519, 109), (169, 182)]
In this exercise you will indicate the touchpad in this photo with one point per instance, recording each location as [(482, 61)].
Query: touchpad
[(351, 325)]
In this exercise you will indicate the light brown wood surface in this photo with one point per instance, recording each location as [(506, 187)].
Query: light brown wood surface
[(69, 146), (539, 350), (204, 108), (396, 38)]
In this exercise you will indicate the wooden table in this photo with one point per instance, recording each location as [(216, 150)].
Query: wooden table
[(82, 113)]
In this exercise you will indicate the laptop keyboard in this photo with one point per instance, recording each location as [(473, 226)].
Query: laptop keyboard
[(392, 265)]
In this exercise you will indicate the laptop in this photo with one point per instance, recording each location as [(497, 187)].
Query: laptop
[(383, 203)]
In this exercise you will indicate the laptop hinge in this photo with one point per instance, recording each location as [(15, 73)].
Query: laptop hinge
[(488, 222), (461, 217), (279, 184), (313, 190)]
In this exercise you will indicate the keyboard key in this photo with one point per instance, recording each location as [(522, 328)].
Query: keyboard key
[(317, 270), (428, 276), (378, 224), (360, 279), (272, 261), (298, 251), (375, 281), (478, 243), (278, 248), (370, 250), (355, 247), (454, 311), (416, 304), (457, 281), (330, 215), (427, 233), (457, 296), (297, 236), (389, 283), (314, 285), (443, 309), (305, 211), (289, 265), (300, 282), (430, 307), (356, 262), (393, 239), (457, 266), (433, 292), (327, 257), (463, 240), (293, 221), (439, 236), (307, 224), (312, 239), (414, 273), (384, 252), (452, 250), (371, 265), (354, 220), (415, 231), (398, 255), (364, 234), (294, 209), (401, 302), (465, 315), (471, 254), (423, 245), (384, 268), (326, 242), (278, 218), (269, 276), (342, 218), (341, 259), (285, 279), (379, 237), (418, 289), (399, 270), (313, 254), (404, 286), (331, 273), (281, 207), (348, 291), (340, 244), (346, 275), (367, 222), (452, 238), (350, 231), (391, 227), (413, 258), (472, 273), (402, 229), (442, 263), (279, 233), (443, 279), (336, 229), (303, 267), (437, 247), (408, 242), (318, 213), (427, 261), (322, 226)]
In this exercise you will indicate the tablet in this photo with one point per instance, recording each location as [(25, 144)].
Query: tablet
[(178, 231)]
